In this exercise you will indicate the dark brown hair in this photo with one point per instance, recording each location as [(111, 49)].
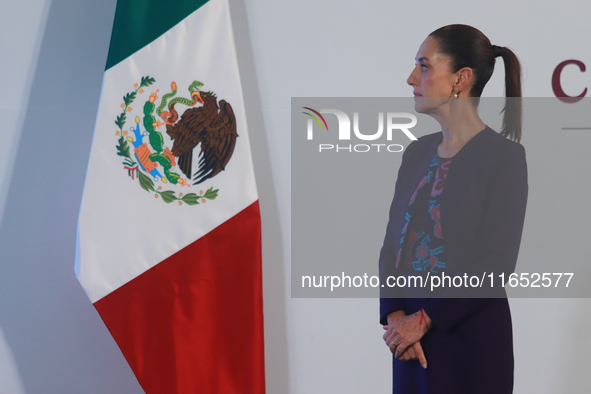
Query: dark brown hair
[(467, 46)]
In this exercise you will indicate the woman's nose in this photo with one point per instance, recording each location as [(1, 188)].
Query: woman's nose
[(411, 78)]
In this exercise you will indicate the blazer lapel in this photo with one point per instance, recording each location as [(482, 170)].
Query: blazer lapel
[(418, 170)]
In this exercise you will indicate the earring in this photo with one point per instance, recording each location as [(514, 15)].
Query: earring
[(455, 93)]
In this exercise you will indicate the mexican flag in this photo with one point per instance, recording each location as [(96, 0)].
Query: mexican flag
[(169, 240)]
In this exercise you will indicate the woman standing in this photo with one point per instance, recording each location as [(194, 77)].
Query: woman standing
[(458, 208)]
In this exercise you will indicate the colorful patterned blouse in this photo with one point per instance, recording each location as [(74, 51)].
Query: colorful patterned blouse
[(423, 249)]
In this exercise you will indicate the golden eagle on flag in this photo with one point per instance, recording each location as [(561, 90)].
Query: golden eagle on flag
[(212, 124)]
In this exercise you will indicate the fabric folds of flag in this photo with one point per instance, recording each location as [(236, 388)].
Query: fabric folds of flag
[(169, 238)]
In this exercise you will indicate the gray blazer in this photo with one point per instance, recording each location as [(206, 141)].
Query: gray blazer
[(482, 213)]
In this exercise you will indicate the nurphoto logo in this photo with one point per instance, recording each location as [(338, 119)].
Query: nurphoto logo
[(344, 130)]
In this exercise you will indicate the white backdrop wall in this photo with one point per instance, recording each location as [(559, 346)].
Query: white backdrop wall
[(52, 56)]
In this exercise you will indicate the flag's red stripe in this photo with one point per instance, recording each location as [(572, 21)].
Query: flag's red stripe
[(194, 322)]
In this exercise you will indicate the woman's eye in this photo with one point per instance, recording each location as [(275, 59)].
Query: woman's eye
[(423, 67)]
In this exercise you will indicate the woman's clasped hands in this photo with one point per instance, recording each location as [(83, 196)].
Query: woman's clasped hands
[(403, 333)]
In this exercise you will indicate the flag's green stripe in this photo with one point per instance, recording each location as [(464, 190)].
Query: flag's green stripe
[(139, 22)]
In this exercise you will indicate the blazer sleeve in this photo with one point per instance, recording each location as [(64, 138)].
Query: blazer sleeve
[(502, 227), (388, 251)]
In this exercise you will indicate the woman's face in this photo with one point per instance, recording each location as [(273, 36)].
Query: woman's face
[(431, 77)]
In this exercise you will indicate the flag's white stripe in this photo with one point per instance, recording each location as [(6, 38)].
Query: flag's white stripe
[(123, 230)]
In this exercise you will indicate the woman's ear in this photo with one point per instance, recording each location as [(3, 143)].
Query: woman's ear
[(464, 79)]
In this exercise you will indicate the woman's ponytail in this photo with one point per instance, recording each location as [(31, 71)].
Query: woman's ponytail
[(469, 47), (512, 116)]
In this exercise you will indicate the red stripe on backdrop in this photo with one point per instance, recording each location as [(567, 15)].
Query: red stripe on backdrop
[(194, 322)]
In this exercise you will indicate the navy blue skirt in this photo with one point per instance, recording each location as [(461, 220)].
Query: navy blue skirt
[(474, 356)]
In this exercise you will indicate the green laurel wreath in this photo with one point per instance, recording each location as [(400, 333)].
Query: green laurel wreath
[(145, 181)]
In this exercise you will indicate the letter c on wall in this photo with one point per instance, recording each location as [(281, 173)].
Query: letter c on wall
[(557, 88)]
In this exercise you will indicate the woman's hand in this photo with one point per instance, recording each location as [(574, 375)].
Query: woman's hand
[(392, 317), (403, 334), (414, 352)]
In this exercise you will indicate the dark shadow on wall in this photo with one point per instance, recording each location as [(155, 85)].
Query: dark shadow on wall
[(276, 357), (58, 340)]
